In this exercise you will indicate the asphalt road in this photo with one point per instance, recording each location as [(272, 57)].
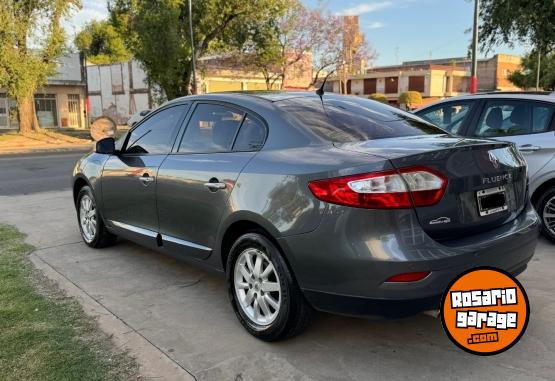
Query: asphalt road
[(36, 172)]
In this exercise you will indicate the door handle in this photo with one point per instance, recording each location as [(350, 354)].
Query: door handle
[(529, 148), (214, 185), (146, 179)]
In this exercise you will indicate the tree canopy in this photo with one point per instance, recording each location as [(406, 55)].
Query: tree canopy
[(509, 21), (526, 77), (101, 43), (31, 39), (157, 33)]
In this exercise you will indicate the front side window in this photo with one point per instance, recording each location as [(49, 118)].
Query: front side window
[(514, 117), (212, 128), (155, 135), (351, 119), (449, 117)]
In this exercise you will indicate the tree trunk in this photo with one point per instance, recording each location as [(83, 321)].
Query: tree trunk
[(27, 116)]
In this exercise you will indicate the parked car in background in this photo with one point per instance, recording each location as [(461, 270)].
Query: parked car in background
[(338, 203), (526, 119), (137, 117)]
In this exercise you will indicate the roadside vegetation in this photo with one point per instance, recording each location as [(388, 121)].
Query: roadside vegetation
[(44, 334)]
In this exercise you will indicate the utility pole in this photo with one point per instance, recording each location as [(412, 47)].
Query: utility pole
[(474, 68), (538, 70), (193, 64)]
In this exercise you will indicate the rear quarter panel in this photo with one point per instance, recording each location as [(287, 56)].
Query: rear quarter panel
[(273, 192)]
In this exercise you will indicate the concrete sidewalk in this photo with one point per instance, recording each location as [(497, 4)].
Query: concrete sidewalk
[(185, 313)]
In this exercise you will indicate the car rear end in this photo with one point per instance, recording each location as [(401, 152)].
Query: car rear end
[(389, 242)]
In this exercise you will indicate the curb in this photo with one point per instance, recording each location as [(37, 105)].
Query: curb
[(153, 362), (42, 150)]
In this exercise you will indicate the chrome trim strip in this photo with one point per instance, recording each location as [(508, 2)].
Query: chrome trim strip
[(134, 229), (182, 242)]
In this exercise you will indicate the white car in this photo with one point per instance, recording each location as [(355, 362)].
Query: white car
[(137, 117)]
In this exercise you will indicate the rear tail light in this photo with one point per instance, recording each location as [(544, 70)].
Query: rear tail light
[(407, 187), (408, 277)]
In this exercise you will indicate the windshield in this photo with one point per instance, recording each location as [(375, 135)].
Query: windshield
[(354, 119)]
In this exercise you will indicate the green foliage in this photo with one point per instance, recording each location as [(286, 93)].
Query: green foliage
[(101, 43), (379, 97), (508, 21), (44, 334), (410, 98), (29, 48), (31, 38), (157, 33), (526, 78)]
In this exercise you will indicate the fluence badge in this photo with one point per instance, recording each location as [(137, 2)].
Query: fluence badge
[(485, 311)]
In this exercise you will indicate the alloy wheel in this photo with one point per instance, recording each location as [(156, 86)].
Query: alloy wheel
[(87, 218), (257, 286), (549, 215)]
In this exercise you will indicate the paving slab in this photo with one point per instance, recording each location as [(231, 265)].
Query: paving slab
[(185, 313)]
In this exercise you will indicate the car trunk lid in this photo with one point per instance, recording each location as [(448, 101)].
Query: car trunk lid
[(487, 184)]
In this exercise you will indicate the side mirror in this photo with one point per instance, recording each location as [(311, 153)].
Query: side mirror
[(144, 112), (106, 146)]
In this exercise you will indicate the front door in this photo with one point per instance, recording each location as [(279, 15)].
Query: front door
[(194, 183), (528, 124), (129, 179)]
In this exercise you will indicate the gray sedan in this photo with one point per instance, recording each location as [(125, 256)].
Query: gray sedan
[(307, 201)]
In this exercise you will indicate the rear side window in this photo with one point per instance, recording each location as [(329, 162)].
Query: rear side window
[(251, 136), (212, 128), (354, 119), (514, 117), (449, 117)]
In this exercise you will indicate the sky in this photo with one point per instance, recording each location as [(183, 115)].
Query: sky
[(398, 30)]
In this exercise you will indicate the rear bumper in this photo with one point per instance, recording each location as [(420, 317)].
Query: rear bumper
[(343, 274), (380, 308)]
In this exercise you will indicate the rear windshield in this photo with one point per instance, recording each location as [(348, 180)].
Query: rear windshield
[(354, 119)]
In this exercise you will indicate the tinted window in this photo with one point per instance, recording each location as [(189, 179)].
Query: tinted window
[(155, 135), (506, 118), (212, 128), (354, 119), (449, 117), (251, 135)]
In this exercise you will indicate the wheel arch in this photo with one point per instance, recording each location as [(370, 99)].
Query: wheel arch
[(541, 189), (245, 222), (78, 183)]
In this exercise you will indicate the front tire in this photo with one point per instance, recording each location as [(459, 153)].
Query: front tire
[(91, 225), (546, 210), (263, 292)]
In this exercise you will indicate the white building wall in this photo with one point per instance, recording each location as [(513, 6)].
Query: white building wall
[(117, 91), (357, 86)]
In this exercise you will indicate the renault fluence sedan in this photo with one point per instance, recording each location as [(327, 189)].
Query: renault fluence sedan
[(309, 201)]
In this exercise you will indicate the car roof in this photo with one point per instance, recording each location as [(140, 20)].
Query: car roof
[(537, 96), (270, 96)]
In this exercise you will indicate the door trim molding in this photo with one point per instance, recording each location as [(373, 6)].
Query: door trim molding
[(134, 229), (153, 234), (183, 242)]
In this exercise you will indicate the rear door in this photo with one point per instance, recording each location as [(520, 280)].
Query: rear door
[(195, 181), (527, 123), (129, 178)]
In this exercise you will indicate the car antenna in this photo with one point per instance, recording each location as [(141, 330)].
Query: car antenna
[(320, 90)]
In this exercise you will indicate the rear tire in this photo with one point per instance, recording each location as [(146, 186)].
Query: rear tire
[(262, 290), (92, 227), (546, 209)]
